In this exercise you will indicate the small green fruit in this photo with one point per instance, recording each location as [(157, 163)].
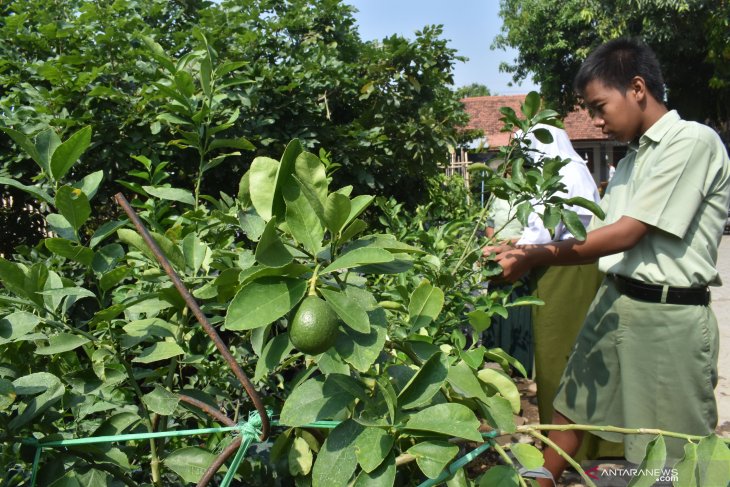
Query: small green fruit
[(314, 327)]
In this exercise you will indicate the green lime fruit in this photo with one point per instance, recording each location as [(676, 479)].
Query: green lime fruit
[(314, 327)]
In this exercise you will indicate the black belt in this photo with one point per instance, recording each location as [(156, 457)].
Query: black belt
[(653, 293)]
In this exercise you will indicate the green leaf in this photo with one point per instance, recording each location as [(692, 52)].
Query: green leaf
[(464, 381), (262, 185), (194, 251), (63, 342), (61, 227), (348, 309), (498, 382), (383, 476), (461, 421), (358, 257), (114, 277), (238, 143), (551, 217), (357, 206), (159, 351), (543, 135), (69, 152), (313, 400), (46, 143), (62, 292), (161, 401), (70, 250), (573, 223), (260, 302), (273, 353), (362, 349), (171, 194), (104, 231), (372, 446), (353, 229), (505, 360), (425, 305), (474, 358), (500, 476), (337, 461), (32, 190), (90, 183), (531, 104), (270, 250), (479, 320), (529, 457), (16, 325), (587, 204), (498, 413), (654, 461), (311, 173), (171, 251), (687, 467), (432, 457), (425, 383), (190, 463), (336, 212), (7, 394), (303, 223), (51, 391), (73, 204), (523, 212), (27, 145), (300, 457), (12, 277), (284, 176), (713, 461)]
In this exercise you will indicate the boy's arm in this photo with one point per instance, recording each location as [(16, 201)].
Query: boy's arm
[(611, 239)]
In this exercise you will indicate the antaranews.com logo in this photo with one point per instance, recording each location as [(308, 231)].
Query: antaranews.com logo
[(619, 474)]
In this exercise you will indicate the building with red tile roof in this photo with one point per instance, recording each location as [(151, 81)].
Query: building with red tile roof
[(587, 140)]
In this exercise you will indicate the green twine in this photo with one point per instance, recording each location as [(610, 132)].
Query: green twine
[(445, 474), (249, 430)]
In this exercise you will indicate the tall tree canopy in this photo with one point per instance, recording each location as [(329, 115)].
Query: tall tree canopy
[(691, 39), (385, 109), (472, 90)]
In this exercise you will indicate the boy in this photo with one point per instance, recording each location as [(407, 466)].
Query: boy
[(647, 353)]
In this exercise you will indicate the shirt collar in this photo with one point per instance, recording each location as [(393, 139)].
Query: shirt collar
[(656, 131), (661, 126)]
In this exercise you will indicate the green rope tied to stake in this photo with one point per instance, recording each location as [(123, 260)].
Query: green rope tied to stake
[(250, 430)]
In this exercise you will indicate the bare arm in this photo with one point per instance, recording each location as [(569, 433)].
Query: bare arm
[(611, 239)]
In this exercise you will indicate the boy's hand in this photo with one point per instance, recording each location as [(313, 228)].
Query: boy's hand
[(514, 262), (496, 249)]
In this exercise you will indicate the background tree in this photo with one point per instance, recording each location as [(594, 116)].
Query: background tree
[(472, 90), (691, 39), (384, 109)]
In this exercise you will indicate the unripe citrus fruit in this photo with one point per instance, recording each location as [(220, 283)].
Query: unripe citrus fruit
[(314, 327)]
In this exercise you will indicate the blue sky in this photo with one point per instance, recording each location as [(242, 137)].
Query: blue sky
[(470, 25)]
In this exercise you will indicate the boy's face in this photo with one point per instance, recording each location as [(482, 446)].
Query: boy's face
[(616, 113)]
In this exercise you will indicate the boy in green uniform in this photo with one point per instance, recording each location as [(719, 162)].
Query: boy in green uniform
[(646, 356)]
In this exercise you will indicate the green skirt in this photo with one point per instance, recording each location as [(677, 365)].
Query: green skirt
[(637, 365), (567, 292)]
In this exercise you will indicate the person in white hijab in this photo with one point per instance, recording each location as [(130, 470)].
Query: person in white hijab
[(567, 291), (575, 176)]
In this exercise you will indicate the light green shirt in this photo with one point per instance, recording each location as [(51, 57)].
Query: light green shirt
[(499, 214), (677, 179)]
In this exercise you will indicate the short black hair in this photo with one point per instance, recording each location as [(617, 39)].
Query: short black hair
[(615, 64)]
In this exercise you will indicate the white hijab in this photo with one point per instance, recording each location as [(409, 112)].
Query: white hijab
[(575, 175)]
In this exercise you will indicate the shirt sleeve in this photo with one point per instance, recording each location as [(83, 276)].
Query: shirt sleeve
[(673, 189), (535, 232)]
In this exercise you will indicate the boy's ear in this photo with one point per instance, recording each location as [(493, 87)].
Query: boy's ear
[(638, 88)]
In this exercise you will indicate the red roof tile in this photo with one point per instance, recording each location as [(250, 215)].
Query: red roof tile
[(484, 114)]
